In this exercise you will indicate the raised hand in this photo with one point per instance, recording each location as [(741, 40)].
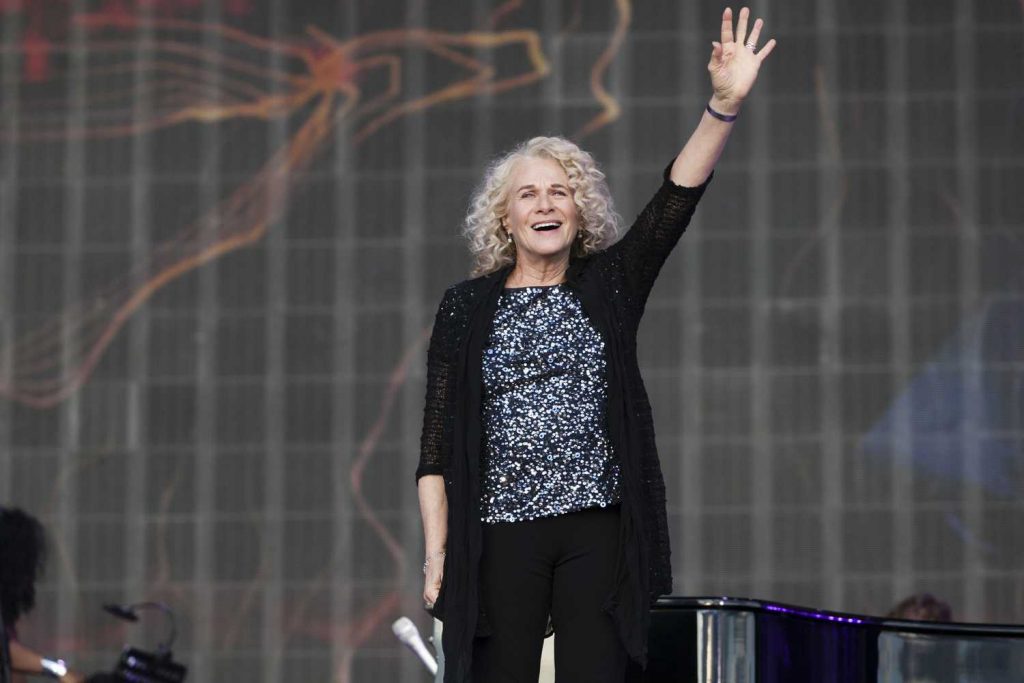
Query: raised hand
[(735, 61)]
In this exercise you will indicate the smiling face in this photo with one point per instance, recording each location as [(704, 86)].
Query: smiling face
[(542, 217)]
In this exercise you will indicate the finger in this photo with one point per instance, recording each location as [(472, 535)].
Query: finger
[(727, 26), (716, 52), (741, 25), (755, 33), (766, 50)]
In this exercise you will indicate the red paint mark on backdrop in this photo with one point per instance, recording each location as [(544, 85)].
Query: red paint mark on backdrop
[(45, 22)]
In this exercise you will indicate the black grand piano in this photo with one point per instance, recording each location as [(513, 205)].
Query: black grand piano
[(736, 640)]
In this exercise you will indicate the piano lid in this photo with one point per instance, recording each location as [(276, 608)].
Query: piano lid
[(720, 639), (904, 625)]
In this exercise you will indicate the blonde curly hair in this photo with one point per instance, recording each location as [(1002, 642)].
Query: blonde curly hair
[(598, 222)]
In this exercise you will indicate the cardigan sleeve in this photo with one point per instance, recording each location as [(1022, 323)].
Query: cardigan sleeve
[(440, 383), (642, 251)]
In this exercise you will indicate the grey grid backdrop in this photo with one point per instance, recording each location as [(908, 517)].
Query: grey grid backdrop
[(834, 354)]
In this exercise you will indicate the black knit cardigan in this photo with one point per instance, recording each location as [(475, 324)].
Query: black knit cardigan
[(613, 286)]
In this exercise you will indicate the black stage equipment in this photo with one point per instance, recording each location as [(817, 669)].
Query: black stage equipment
[(139, 666)]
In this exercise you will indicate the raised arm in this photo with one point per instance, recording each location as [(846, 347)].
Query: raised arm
[(733, 67)]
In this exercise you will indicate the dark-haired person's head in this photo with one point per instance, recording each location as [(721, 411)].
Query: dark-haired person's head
[(922, 607), (22, 558)]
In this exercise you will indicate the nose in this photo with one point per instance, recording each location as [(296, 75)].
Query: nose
[(544, 202)]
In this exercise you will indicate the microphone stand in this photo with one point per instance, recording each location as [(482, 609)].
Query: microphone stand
[(130, 613), (143, 667)]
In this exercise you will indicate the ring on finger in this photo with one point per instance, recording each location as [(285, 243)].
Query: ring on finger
[(751, 46)]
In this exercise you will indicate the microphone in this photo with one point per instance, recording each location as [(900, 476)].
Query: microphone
[(407, 632)]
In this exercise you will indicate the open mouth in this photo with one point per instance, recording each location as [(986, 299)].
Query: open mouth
[(546, 226)]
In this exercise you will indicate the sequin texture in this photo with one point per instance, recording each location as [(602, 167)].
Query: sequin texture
[(547, 450)]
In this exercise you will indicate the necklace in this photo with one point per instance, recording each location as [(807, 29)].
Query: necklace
[(513, 282)]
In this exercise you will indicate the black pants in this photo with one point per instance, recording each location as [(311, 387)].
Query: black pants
[(562, 566)]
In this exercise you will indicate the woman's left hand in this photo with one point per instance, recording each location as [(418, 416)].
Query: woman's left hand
[(735, 61)]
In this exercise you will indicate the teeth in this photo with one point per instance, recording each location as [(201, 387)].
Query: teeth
[(540, 226)]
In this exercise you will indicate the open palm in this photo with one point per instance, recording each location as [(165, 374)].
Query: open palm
[(735, 60)]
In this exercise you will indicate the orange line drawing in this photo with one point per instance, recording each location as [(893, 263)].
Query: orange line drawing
[(610, 106), (499, 13), (610, 109), (45, 368), (187, 82)]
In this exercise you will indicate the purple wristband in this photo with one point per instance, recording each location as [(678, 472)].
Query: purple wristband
[(728, 118)]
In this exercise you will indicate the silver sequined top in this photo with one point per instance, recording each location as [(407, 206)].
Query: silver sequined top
[(546, 445)]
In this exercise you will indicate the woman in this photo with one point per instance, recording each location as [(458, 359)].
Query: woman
[(539, 484), (22, 558)]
